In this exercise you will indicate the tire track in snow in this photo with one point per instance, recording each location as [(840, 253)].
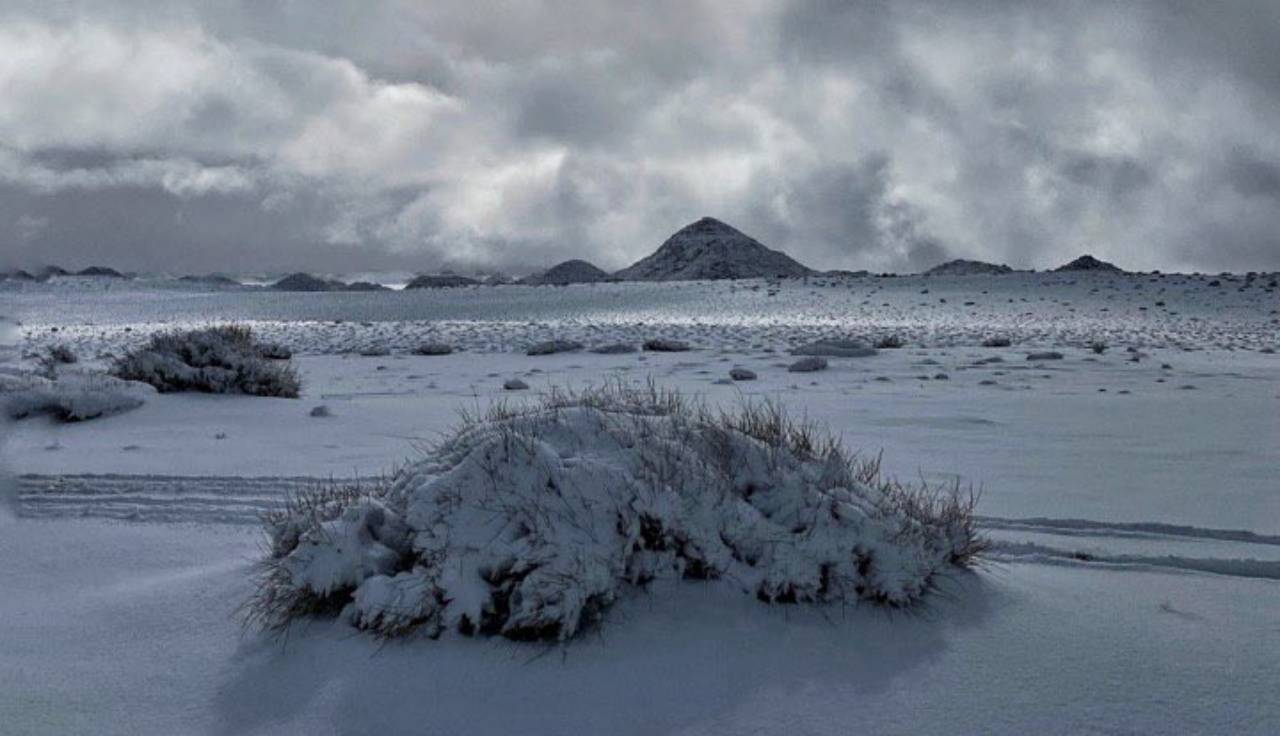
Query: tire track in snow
[(1140, 529), (1237, 567), (241, 500), (158, 498)]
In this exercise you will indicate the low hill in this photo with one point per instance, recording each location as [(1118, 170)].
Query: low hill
[(964, 267), (570, 272), (305, 282), (1089, 263), (101, 271), (440, 281)]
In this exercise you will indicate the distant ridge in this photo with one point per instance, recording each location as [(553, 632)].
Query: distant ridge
[(305, 282), (964, 267), (440, 281), (101, 271), (1089, 263), (574, 271), (710, 249)]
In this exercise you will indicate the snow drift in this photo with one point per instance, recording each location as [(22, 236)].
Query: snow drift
[(530, 522)]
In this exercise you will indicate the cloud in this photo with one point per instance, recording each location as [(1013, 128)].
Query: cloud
[(852, 134)]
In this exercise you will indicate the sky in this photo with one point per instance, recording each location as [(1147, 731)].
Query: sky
[(337, 136)]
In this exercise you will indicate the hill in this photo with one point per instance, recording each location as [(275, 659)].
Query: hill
[(440, 281), (710, 249), (1089, 263), (570, 272), (304, 282), (964, 267)]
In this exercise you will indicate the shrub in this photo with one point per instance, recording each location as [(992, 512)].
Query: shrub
[(1098, 347), (531, 519), (223, 359), (63, 355)]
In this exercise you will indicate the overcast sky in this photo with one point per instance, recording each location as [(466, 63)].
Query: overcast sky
[(339, 136)]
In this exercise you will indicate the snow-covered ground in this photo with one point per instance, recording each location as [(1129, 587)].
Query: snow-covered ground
[(1134, 506)]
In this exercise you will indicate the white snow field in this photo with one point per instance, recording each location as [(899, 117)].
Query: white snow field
[(1132, 499)]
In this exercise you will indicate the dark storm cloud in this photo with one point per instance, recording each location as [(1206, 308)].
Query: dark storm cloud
[(1252, 176), (349, 135)]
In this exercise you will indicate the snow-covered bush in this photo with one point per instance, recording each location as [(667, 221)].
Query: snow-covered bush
[(274, 351), (225, 359), (528, 522), (70, 397), (62, 355)]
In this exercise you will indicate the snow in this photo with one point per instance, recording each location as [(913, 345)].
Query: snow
[(1132, 585), (128, 628)]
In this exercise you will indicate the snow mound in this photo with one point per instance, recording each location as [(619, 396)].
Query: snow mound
[(529, 523), (710, 249), (226, 359), (71, 397)]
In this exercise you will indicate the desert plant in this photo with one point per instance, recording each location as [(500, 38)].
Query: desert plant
[(531, 518), (224, 359), (1098, 347)]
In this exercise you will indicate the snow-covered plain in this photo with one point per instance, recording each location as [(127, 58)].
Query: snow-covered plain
[(1134, 507)]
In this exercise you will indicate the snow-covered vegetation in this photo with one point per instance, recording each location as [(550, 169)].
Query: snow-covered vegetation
[(69, 396), (530, 520), (224, 359)]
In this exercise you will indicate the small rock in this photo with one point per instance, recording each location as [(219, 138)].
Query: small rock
[(616, 348), (742, 374), (433, 348), (1047, 355), (663, 345), (515, 384), (551, 347), (808, 365), (835, 349), (321, 411)]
